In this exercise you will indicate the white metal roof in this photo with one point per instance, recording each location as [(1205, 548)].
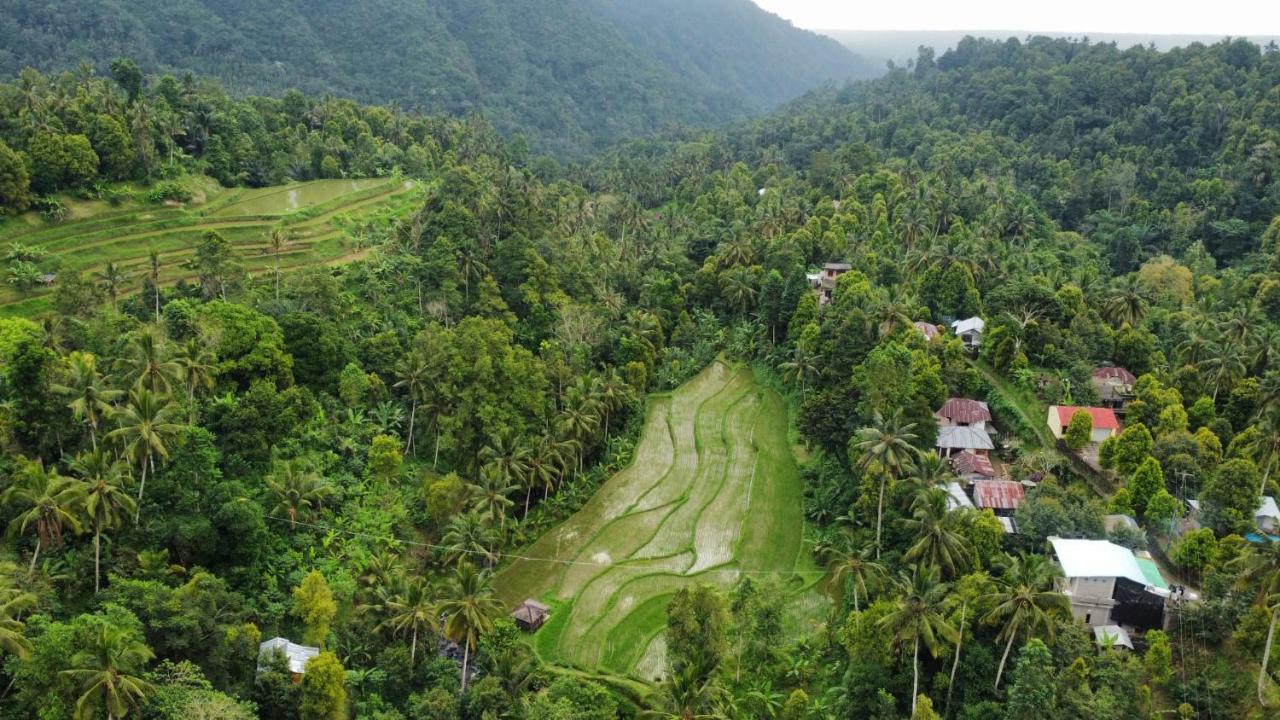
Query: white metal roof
[(297, 655), (964, 437), (1097, 558), (957, 497), (963, 326), (1268, 508), (1112, 636)]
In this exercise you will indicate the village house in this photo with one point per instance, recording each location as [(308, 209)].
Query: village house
[(295, 655), (954, 439), (963, 412), (1105, 422), (530, 615), (971, 467), (956, 497), (824, 281), (969, 331), (1001, 497), (1106, 584), (1114, 386)]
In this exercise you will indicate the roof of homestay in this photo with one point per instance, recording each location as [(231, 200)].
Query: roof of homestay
[(531, 611), (998, 494), (968, 463), (296, 655), (1097, 558), (1113, 372), (1111, 636), (955, 437), (929, 330), (1103, 418), (963, 326), (837, 266), (965, 410), (1267, 508), (956, 497)]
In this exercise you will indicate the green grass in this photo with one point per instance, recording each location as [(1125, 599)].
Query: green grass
[(713, 490), (315, 215)]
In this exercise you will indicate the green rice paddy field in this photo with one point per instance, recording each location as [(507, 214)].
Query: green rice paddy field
[(317, 218), (713, 494)]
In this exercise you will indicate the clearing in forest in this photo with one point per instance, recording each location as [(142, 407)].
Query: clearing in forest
[(316, 218), (713, 493)]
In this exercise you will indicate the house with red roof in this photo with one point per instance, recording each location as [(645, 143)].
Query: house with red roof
[(1113, 384), (963, 412), (1105, 422), (930, 331)]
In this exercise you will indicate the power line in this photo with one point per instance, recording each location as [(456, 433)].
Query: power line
[(526, 558)]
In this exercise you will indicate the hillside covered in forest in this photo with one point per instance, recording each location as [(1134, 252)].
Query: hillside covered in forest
[(572, 75)]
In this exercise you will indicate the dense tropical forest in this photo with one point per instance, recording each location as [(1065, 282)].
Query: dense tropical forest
[(345, 456), (572, 75)]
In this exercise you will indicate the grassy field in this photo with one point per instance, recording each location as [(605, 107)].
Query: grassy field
[(713, 493), (316, 217)]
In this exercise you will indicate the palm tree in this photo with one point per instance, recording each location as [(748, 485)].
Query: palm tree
[(297, 489), (613, 394), (1128, 304), (690, 693), (413, 375), (145, 425), (412, 609), (153, 259), (539, 470), (109, 674), (468, 534), (1269, 447), (939, 542), (468, 611), (1026, 603), (105, 500), (491, 496), (91, 398), (849, 560), (47, 504), (111, 278), (14, 601), (505, 460), (887, 443), (579, 419), (278, 237), (799, 369), (143, 362), (196, 368), (918, 619), (1260, 568)]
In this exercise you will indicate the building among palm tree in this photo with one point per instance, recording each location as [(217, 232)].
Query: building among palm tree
[(296, 656), (824, 281), (963, 412), (530, 615), (956, 439), (972, 467), (1107, 584), (969, 331), (1114, 386)]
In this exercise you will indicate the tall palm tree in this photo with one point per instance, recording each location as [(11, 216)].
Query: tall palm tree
[(918, 619), (413, 609), (580, 419), (1260, 569), (14, 601), (939, 543), (886, 443), (277, 237), (690, 693), (145, 425), (111, 278), (1269, 447), (1026, 603), (109, 674), (849, 560), (466, 535), (91, 397), (491, 496), (1127, 304), (413, 375), (48, 504), (153, 265), (105, 500), (297, 489), (613, 394), (196, 368), (800, 368), (505, 460), (540, 470), (145, 363), (468, 610)]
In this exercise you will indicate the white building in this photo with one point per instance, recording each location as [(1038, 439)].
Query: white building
[(969, 331), (1268, 515), (296, 655), (1106, 585)]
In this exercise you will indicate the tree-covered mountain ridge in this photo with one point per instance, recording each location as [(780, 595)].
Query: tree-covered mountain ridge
[(573, 75)]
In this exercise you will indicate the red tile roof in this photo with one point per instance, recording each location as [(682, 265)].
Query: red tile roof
[(964, 410), (968, 463), (929, 330), (998, 494), (1115, 373), (1103, 418)]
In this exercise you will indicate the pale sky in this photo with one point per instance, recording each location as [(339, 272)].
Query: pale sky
[(1188, 17)]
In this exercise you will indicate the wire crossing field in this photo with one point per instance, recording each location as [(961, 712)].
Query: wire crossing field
[(713, 492), (315, 217)]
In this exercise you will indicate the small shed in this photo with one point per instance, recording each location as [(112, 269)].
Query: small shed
[(1112, 636), (297, 656), (1268, 515), (972, 467), (1000, 496), (530, 615)]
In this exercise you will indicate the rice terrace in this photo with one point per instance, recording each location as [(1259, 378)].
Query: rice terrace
[(713, 494)]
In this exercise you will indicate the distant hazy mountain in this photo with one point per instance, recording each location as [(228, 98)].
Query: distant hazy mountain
[(571, 74), (901, 45)]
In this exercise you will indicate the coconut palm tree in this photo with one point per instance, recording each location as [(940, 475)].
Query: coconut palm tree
[(146, 424), (468, 610), (490, 497), (105, 501), (413, 374), (1260, 570), (939, 542), (13, 603), (466, 535), (690, 693), (1127, 303), (540, 470), (849, 560), (1026, 603), (109, 674), (90, 397), (144, 362), (887, 444), (413, 609), (196, 368), (917, 619), (613, 394), (277, 237), (47, 504), (111, 278), (799, 369), (297, 489), (505, 459)]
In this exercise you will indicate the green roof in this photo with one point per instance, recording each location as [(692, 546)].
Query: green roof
[(1152, 572)]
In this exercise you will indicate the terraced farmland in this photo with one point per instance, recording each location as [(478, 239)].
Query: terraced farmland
[(713, 493), (316, 217)]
